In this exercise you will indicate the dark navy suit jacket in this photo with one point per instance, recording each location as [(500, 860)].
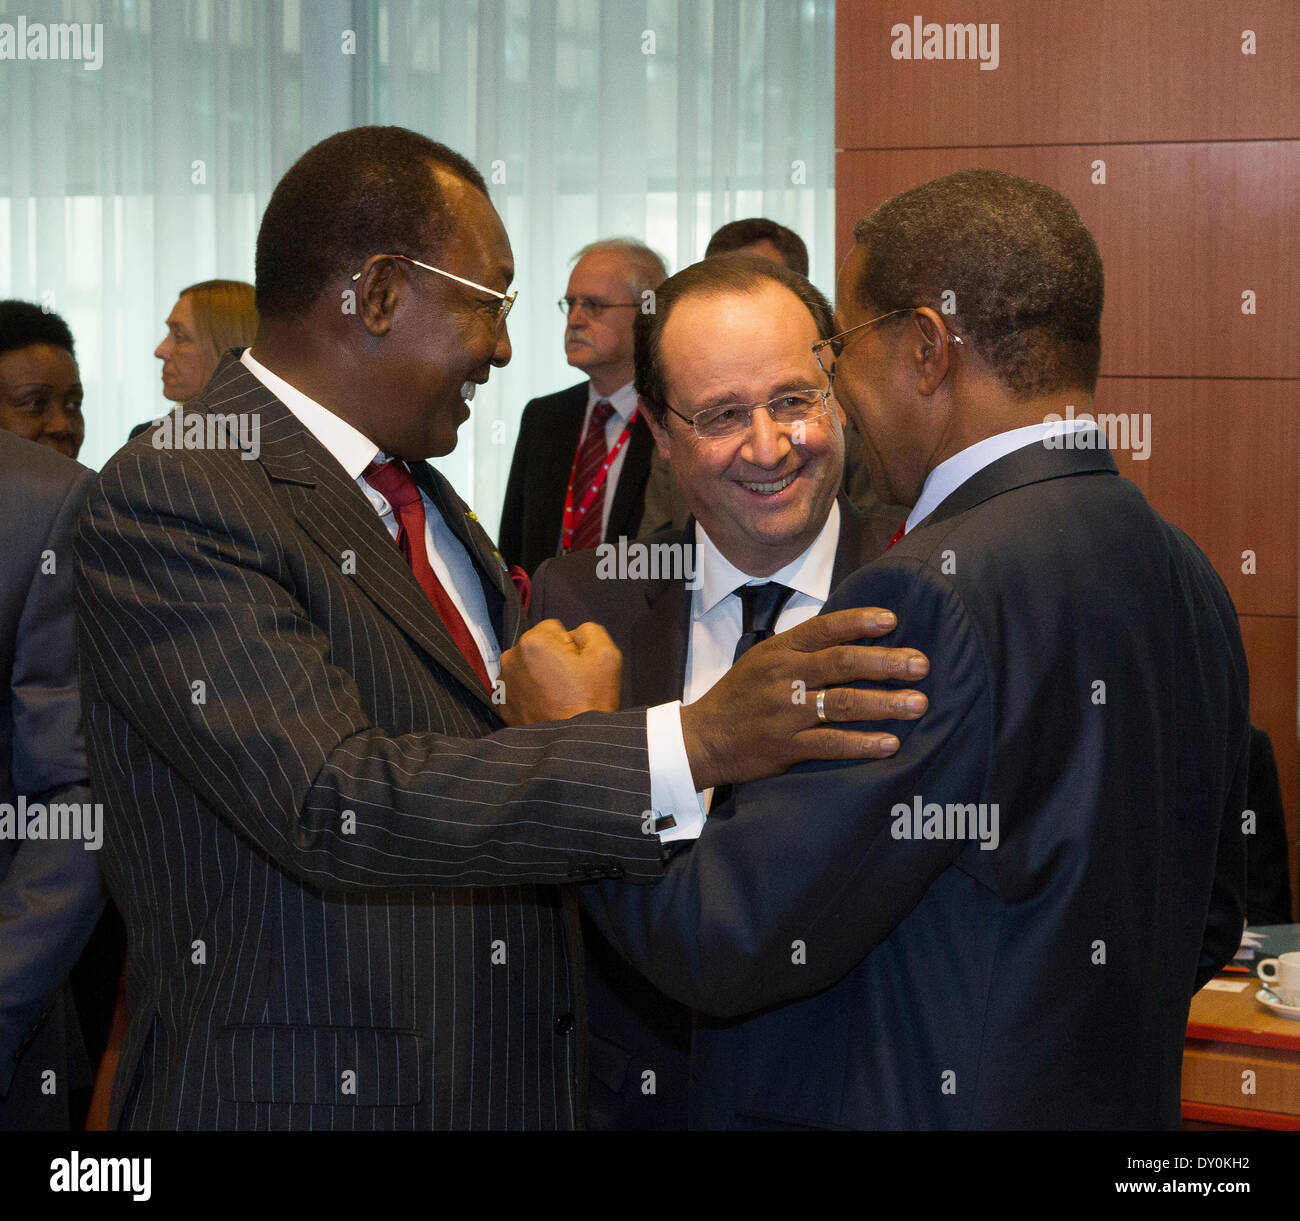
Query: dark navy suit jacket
[(50, 892), (1088, 679)]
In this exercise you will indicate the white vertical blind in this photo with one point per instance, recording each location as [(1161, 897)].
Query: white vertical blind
[(659, 119)]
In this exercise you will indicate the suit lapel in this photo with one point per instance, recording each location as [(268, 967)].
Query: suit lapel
[(564, 431), (502, 598), (656, 668), (332, 510)]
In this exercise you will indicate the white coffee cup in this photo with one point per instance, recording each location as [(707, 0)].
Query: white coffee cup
[(1282, 974)]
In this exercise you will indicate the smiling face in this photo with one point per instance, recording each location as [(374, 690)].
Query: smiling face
[(189, 361), (762, 496), (40, 397), (438, 340)]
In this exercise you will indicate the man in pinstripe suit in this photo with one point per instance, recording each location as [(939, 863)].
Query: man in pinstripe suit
[(340, 872)]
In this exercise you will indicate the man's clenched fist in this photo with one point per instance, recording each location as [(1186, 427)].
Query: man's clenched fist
[(552, 674)]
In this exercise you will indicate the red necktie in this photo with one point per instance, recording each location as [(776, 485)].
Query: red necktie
[(897, 537), (394, 483), (591, 455)]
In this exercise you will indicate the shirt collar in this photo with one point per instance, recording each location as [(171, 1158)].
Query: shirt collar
[(623, 400), (808, 573), (952, 472), (350, 447)]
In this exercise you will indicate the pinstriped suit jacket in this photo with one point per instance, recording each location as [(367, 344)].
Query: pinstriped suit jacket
[(340, 873)]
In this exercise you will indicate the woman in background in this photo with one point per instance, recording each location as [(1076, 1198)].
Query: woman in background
[(206, 321), (40, 386)]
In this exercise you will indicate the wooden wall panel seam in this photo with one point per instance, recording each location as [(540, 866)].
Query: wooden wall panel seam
[(934, 148)]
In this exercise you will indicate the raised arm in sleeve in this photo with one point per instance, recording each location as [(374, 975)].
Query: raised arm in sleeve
[(798, 877), (191, 599)]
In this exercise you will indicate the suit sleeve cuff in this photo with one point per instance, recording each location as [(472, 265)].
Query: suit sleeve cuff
[(678, 808)]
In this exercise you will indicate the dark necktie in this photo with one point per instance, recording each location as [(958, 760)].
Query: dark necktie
[(395, 484), (591, 455), (760, 607)]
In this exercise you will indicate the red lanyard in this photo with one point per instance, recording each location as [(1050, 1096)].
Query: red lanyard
[(570, 517)]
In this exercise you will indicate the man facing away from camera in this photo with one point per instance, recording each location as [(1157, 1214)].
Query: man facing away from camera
[(1002, 925)]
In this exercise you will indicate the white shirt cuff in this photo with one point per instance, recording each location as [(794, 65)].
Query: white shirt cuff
[(672, 791)]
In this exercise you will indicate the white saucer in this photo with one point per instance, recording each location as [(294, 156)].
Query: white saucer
[(1270, 1002)]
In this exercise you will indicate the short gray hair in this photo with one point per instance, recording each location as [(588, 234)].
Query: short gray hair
[(646, 269)]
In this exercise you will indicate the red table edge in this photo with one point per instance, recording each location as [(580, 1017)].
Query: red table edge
[(1243, 1035), (1238, 1117)]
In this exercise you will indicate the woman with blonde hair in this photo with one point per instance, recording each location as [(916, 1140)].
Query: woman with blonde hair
[(207, 320)]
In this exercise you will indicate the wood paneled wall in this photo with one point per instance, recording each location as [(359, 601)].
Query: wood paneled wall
[(1182, 154)]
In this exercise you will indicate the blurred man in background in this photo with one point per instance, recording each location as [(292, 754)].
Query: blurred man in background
[(580, 464), (762, 237)]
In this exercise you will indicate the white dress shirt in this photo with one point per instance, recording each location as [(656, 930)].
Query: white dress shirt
[(716, 619), (952, 472), (672, 792), (447, 555), (715, 606)]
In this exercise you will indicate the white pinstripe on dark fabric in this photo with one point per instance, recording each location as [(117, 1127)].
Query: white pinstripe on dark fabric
[(325, 692)]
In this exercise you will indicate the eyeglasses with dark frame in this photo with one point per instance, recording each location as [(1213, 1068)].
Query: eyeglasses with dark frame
[(504, 300), (729, 420), (836, 342), (591, 307)]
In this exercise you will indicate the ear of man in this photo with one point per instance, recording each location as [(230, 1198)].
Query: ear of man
[(931, 355), (378, 290)]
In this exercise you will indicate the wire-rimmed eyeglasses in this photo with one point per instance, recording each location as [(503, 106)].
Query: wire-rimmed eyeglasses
[(728, 420), (504, 300), (591, 307), (836, 342)]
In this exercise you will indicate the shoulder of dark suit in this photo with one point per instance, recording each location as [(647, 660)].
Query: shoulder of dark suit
[(32, 472)]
